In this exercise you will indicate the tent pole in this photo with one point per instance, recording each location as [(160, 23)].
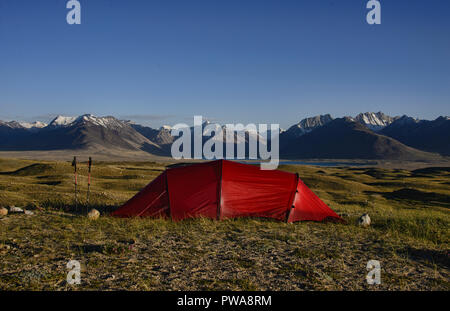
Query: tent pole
[(297, 177), (219, 196), (168, 196)]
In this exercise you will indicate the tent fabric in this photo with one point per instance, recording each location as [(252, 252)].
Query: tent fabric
[(152, 201), (308, 206), (194, 190), (248, 191), (224, 189)]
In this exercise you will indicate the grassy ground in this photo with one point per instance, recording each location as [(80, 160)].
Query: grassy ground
[(409, 236)]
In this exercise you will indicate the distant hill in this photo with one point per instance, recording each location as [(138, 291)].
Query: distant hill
[(161, 137), (432, 136), (347, 139)]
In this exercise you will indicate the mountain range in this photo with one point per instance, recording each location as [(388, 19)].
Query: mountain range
[(366, 136)]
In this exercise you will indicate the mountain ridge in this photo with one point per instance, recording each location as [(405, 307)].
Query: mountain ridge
[(368, 135), (344, 138)]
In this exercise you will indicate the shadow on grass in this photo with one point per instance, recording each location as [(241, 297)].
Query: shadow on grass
[(416, 196), (80, 208), (438, 257), (33, 169), (50, 183), (110, 248), (433, 171)]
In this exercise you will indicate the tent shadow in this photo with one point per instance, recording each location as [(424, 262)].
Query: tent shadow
[(81, 208)]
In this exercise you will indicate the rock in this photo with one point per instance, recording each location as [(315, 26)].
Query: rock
[(109, 277), (5, 247), (14, 209), (30, 213), (364, 220), (3, 211), (324, 276), (93, 214)]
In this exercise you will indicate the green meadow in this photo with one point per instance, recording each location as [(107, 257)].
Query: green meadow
[(409, 235)]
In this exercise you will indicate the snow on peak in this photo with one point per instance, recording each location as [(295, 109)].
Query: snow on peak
[(374, 121), (308, 124), (62, 121), (11, 124), (99, 121), (33, 125)]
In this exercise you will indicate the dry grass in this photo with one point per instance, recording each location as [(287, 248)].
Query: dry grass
[(409, 236)]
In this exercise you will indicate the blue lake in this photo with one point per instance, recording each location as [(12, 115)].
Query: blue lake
[(324, 163)]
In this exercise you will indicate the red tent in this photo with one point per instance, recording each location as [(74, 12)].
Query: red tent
[(224, 189)]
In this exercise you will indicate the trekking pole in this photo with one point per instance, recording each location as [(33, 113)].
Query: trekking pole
[(74, 164), (89, 179)]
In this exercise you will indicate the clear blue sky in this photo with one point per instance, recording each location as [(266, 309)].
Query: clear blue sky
[(160, 62)]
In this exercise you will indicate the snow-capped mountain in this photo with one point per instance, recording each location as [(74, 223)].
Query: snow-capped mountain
[(33, 125), (65, 121), (343, 138), (162, 137), (61, 121), (365, 135), (82, 132), (106, 122), (403, 120), (374, 121), (11, 124), (307, 125), (432, 136)]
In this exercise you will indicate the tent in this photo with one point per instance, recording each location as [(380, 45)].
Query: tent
[(224, 189)]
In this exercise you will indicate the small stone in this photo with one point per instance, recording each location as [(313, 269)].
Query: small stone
[(93, 214), (14, 209), (5, 247), (325, 276), (3, 211), (109, 277), (30, 213), (364, 220)]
